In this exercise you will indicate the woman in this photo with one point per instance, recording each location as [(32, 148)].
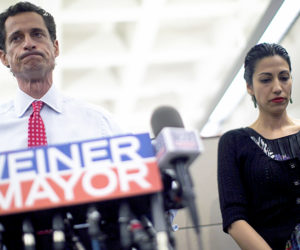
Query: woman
[(259, 166)]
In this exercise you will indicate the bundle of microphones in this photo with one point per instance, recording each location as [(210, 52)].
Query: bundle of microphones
[(128, 231), (134, 229)]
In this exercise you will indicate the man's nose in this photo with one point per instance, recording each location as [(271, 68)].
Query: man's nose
[(29, 43)]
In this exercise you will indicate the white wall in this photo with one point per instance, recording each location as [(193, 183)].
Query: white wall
[(204, 175)]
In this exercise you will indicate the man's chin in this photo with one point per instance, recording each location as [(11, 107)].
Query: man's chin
[(33, 73)]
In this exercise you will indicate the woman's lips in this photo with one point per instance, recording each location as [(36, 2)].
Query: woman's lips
[(278, 100)]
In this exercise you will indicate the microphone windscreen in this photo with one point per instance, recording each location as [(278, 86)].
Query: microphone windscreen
[(165, 116)]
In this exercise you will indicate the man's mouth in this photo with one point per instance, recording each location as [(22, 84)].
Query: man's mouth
[(30, 54)]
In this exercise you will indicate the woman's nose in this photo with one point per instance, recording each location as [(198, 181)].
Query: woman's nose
[(277, 88)]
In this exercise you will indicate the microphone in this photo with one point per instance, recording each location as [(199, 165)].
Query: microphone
[(97, 237), (176, 148), (124, 218), (2, 246), (148, 226), (75, 240), (140, 236), (58, 232), (28, 235), (173, 142)]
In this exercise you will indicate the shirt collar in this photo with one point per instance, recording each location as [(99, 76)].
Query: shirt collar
[(52, 98)]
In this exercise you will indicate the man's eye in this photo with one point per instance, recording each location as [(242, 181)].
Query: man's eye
[(15, 38), (37, 34)]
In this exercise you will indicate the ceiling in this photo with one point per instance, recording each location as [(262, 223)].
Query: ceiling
[(131, 56)]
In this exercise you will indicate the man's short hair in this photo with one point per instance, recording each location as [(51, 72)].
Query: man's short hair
[(26, 7)]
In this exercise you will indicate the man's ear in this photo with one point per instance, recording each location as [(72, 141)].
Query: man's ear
[(4, 59), (250, 89), (56, 48)]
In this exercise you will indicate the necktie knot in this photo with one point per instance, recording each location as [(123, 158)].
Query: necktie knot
[(37, 106)]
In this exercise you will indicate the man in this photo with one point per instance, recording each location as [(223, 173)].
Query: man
[(28, 46)]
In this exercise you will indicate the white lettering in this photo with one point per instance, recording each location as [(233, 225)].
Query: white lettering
[(56, 156), (130, 150), (13, 191), (137, 176), (2, 164), (109, 188), (67, 185), (93, 150), (40, 162), (41, 189), (21, 165)]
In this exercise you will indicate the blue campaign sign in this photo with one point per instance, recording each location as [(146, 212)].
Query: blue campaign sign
[(78, 172), (63, 157)]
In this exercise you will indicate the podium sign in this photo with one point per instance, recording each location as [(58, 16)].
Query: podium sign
[(77, 173)]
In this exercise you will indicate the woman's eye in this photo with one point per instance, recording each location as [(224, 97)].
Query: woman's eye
[(284, 78), (265, 80)]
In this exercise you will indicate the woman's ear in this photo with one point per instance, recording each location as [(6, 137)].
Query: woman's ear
[(250, 89)]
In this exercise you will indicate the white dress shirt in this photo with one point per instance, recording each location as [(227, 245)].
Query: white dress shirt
[(66, 120)]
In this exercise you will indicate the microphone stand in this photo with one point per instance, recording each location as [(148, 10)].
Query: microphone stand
[(159, 222), (188, 195)]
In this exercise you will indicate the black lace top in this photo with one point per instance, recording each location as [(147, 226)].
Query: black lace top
[(280, 149), (259, 181)]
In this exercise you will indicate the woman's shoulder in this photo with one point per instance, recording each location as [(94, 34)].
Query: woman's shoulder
[(238, 132), (294, 128), (236, 136), (296, 121), (234, 141)]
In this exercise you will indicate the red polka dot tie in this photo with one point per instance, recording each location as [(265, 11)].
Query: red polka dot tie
[(36, 128)]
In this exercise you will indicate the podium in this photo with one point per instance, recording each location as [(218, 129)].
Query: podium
[(37, 184)]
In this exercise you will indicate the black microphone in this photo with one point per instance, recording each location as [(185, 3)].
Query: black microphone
[(2, 246), (173, 142), (97, 237), (69, 228), (124, 218), (140, 237), (58, 226), (28, 235), (176, 148), (148, 226)]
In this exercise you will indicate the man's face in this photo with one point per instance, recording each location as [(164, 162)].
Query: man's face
[(30, 53)]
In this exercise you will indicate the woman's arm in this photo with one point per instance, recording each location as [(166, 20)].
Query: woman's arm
[(246, 237)]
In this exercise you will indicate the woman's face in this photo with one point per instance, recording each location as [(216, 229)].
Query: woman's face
[(272, 84)]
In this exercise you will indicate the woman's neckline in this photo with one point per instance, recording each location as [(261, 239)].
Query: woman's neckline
[(272, 139)]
